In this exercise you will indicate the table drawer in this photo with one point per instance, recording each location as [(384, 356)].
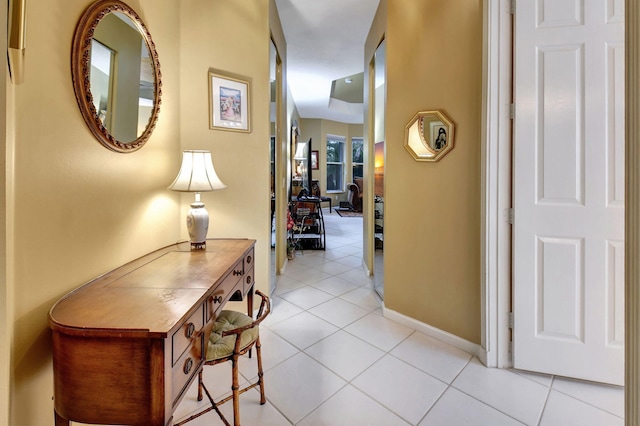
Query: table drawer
[(221, 294), (186, 367), (248, 279), (249, 260), (186, 334)]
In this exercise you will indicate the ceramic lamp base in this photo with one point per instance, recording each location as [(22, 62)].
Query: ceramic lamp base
[(198, 225)]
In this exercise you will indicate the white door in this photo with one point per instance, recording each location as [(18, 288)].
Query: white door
[(568, 193)]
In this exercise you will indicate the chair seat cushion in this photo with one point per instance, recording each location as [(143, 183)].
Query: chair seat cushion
[(221, 347)]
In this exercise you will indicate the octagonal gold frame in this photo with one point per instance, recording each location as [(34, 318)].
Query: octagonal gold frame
[(429, 135)]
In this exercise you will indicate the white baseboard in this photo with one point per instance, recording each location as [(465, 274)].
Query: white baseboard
[(436, 333), (366, 270)]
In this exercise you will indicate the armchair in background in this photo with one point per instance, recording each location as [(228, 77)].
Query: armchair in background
[(355, 194)]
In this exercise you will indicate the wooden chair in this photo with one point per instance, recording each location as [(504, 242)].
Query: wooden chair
[(234, 334)]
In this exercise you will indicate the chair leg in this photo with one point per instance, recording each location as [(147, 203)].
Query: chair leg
[(234, 390), (260, 373), (214, 405)]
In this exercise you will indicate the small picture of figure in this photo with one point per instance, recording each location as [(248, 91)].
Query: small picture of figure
[(230, 102), (440, 139)]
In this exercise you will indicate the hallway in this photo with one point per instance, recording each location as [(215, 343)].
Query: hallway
[(331, 358)]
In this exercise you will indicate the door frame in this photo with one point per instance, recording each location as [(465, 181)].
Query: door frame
[(496, 194), (632, 211), (496, 184)]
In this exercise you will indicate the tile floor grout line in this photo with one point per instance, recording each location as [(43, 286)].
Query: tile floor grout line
[(314, 261), (582, 400), (546, 401)]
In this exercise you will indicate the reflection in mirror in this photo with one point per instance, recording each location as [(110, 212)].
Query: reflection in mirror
[(274, 81), (429, 136), (434, 132), (379, 82), (102, 59), (116, 75)]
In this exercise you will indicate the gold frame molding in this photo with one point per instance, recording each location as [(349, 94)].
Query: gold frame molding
[(232, 82), (17, 39), (422, 148), (80, 67)]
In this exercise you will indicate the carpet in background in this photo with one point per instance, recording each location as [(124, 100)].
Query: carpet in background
[(348, 213)]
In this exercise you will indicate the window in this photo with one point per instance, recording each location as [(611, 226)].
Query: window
[(335, 163), (357, 156)]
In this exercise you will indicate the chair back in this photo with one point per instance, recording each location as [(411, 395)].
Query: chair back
[(263, 311)]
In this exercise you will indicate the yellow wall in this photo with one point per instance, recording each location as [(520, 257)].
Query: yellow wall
[(432, 210), (232, 38), (76, 210)]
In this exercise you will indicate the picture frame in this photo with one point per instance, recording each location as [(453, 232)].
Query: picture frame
[(438, 136), (429, 135), (314, 160), (229, 102)]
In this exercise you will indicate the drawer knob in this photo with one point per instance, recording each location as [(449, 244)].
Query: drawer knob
[(237, 273), (249, 259), (191, 328), (188, 365), (216, 299), (248, 279)]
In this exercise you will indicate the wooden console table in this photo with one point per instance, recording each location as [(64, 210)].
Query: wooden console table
[(127, 345)]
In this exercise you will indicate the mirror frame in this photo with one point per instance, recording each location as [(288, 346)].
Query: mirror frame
[(424, 151), (80, 68)]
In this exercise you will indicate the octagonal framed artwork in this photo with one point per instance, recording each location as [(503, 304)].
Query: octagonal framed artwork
[(429, 135)]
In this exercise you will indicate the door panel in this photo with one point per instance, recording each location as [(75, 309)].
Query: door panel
[(568, 235)]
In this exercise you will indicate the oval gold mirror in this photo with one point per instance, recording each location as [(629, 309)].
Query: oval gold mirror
[(429, 135), (116, 75)]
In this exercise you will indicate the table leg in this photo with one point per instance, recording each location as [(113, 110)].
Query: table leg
[(59, 420), (250, 307), (250, 301)]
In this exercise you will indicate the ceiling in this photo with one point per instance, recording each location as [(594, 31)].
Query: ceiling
[(325, 45)]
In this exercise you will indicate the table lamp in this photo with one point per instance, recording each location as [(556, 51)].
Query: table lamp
[(197, 175)]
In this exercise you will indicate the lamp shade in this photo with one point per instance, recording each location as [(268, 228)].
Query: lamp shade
[(300, 151), (197, 173)]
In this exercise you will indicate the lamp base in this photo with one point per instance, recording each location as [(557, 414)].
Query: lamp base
[(199, 246), (198, 225)]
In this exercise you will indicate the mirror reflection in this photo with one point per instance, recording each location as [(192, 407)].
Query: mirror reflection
[(131, 87), (274, 86), (102, 59), (379, 90), (429, 136), (116, 75)]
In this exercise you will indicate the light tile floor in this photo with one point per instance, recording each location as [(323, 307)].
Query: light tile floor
[(331, 358)]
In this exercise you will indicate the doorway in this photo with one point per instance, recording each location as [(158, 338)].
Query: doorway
[(552, 301)]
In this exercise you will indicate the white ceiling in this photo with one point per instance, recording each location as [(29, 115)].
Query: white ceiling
[(325, 42)]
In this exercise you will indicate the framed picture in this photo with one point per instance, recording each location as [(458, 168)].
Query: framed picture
[(314, 160), (229, 103), (438, 135)]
